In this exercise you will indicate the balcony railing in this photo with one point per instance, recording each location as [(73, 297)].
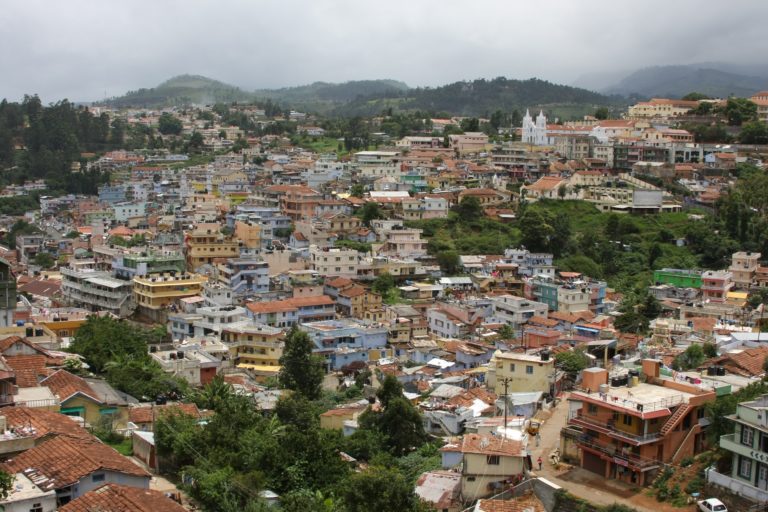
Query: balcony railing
[(632, 460), (609, 428)]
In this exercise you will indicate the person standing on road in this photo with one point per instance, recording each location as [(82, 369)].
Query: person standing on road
[(540, 462)]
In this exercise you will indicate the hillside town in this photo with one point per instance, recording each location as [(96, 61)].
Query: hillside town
[(484, 316)]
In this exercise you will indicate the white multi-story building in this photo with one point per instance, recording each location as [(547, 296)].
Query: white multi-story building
[(515, 311), (375, 164), (334, 261), (97, 291)]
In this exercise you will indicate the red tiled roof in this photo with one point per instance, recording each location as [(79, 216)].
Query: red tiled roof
[(540, 320), (44, 422), (65, 385), (526, 503), (42, 287), (28, 369), (319, 300), (121, 498), (352, 291), (10, 341), (491, 445), (747, 363), (270, 307), (338, 282), (144, 414), (63, 460)]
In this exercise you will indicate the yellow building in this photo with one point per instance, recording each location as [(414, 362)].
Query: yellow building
[(335, 418), (206, 243), (153, 294), (249, 233), (355, 300), (255, 347), (91, 399), (661, 107), (63, 322), (522, 373), (487, 462)]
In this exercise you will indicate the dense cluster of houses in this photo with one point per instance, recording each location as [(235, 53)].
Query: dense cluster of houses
[(231, 254)]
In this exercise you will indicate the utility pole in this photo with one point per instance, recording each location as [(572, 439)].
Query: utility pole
[(506, 381)]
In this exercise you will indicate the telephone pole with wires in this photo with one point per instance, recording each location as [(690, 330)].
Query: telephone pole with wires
[(506, 382)]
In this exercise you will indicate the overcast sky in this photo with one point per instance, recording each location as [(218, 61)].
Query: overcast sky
[(82, 50)]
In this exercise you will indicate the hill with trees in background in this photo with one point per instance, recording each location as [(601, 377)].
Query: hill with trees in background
[(371, 97)]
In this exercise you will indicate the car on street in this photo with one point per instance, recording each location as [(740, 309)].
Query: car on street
[(712, 505)]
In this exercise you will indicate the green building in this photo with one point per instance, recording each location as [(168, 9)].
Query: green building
[(678, 277), (128, 266)]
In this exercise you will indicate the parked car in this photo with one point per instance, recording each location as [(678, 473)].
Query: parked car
[(712, 505)]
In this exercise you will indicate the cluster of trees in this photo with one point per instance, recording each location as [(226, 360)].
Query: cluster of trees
[(54, 137), (694, 356), (636, 312), (242, 450), (741, 218), (119, 351)]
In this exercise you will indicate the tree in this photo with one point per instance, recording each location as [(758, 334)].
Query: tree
[(500, 119), (379, 489), (506, 332), (469, 209), (739, 111), (754, 132), (572, 361), (104, 339), (357, 190), (654, 254), (650, 307), (448, 261), (695, 96), (196, 142), (43, 259), (168, 124), (389, 390), (601, 113), (214, 394), (6, 484), (470, 124), (383, 283), (536, 230), (691, 359), (370, 211), (300, 369)]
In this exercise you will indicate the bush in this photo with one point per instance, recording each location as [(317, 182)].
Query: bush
[(687, 461), (695, 485)]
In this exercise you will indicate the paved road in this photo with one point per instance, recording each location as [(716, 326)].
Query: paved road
[(585, 484)]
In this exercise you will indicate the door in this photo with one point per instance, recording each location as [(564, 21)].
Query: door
[(762, 477)]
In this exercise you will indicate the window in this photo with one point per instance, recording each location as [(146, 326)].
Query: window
[(512, 367), (36, 507), (492, 459), (745, 467), (98, 477), (627, 419), (591, 408), (747, 435), (470, 479), (529, 369)]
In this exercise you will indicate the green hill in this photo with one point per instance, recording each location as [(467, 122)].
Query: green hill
[(482, 97), (370, 97), (677, 81), (182, 90), (321, 96)]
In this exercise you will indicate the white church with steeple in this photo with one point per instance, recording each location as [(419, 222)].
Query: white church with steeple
[(535, 132)]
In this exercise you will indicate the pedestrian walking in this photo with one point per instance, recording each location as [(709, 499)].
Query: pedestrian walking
[(540, 462)]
